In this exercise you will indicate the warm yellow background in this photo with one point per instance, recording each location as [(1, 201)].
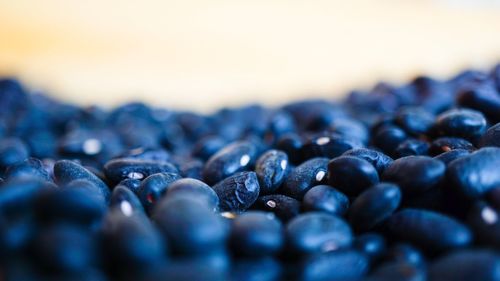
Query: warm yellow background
[(201, 54)]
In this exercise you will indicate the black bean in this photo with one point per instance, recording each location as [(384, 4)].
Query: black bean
[(154, 187), (238, 192), (196, 189), (445, 144), (415, 174), (483, 97), (271, 169), (291, 145), (189, 226), (430, 230), (208, 146), (304, 177), (327, 199), (387, 138), (132, 184), (122, 168), (464, 123), (378, 159), (233, 158), (351, 175), (373, 245), (332, 266), (411, 147), (328, 145), (374, 206), (284, 207), (466, 265), (414, 120), (316, 232), (256, 234), (447, 157), (477, 173), (125, 200)]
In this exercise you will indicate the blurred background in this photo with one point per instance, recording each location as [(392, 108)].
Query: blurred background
[(202, 55)]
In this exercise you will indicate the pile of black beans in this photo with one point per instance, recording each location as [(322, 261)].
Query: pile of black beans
[(395, 183)]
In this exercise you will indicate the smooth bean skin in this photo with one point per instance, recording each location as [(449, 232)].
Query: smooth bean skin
[(271, 169), (387, 138), (414, 120), (12, 151), (432, 231), (477, 173), (131, 242), (483, 97), (285, 208), (447, 157), (189, 226), (125, 200), (154, 187), (238, 192), (261, 269), (351, 129), (411, 147), (328, 145), (208, 146), (131, 184), (327, 199), (341, 265), (445, 144), (233, 158), (373, 245), (304, 177), (351, 175), (119, 169), (291, 144), (491, 137), (256, 234), (378, 159), (67, 171), (473, 264), (464, 123), (196, 189), (415, 174), (316, 232), (374, 205)]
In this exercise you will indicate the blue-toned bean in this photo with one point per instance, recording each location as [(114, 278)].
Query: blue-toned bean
[(291, 144), (415, 121), (196, 189), (271, 169), (30, 168), (154, 187), (326, 199), (483, 97), (261, 269), (132, 184), (371, 244), (284, 207), (447, 157), (12, 151), (122, 168), (208, 146), (485, 223), (238, 192), (491, 137), (388, 137), (328, 145), (125, 201), (374, 206), (332, 266), (466, 265), (464, 123), (411, 147), (351, 175), (378, 159), (445, 144), (304, 177)]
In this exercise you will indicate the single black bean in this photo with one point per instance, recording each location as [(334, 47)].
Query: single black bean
[(18, 196), (477, 173), (154, 187), (351, 129), (374, 205), (316, 232), (328, 145), (445, 144), (291, 144), (208, 146), (432, 231), (256, 234), (284, 207), (304, 177), (351, 175), (238, 192), (378, 159), (271, 169), (411, 147), (465, 265), (233, 158), (189, 226), (327, 199), (122, 168), (132, 184), (338, 265), (464, 123), (415, 174), (414, 120), (196, 189), (387, 138), (483, 97), (125, 201)]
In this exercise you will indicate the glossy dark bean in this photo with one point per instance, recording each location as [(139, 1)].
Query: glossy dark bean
[(304, 177), (316, 232), (238, 192), (328, 145), (378, 159), (445, 144), (271, 169), (30, 168), (131, 242), (387, 138), (154, 187), (337, 265), (477, 173), (466, 265), (415, 174), (373, 245), (122, 168), (256, 234), (464, 123), (12, 151), (414, 120), (491, 137), (405, 253), (208, 146), (233, 158), (447, 157), (189, 226), (374, 205), (67, 171), (191, 169), (430, 230), (125, 200), (196, 189), (88, 186), (351, 129), (398, 272), (485, 223), (411, 147), (326, 199), (483, 97), (65, 248), (351, 175), (131, 184), (262, 269), (284, 207), (291, 144)]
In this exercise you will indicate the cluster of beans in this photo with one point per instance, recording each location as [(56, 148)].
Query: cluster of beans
[(399, 183)]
